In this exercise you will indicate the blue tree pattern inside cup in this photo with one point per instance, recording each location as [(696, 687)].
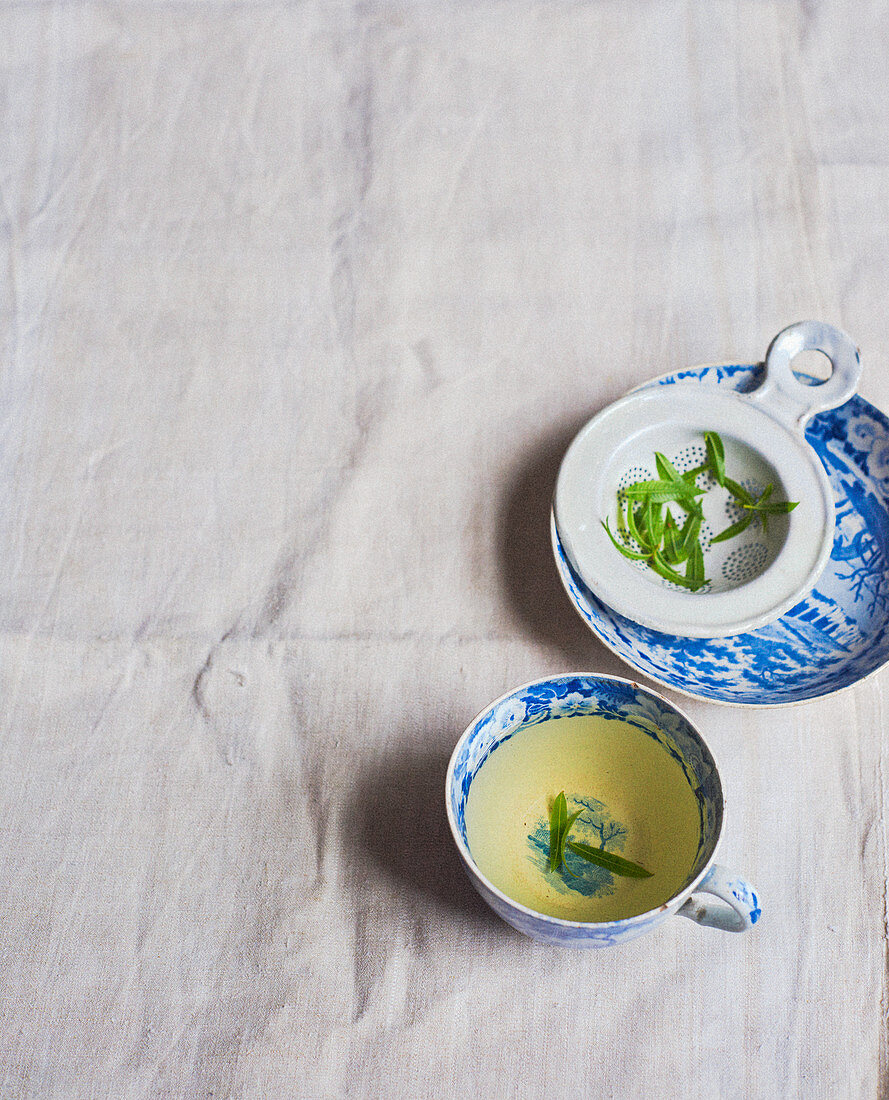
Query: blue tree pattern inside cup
[(595, 827)]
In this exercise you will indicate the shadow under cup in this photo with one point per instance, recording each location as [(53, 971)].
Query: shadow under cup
[(641, 737)]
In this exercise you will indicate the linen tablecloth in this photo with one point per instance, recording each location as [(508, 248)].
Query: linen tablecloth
[(301, 305)]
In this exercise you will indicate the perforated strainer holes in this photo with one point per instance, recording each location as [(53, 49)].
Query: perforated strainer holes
[(745, 563), (689, 458), (733, 511), (754, 488), (637, 473), (685, 591)]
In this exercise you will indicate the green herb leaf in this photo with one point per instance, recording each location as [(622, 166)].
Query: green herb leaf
[(640, 513), (689, 536), (715, 456), (738, 491), (617, 865), (765, 506), (694, 569), (653, 527), (634, 514), (671, 539), (660, 567), (560, 822), (558, 819), (777, 507), (735, 529), (662, 491), (643, 488), (654, 523), (625, 550), (665, 468)]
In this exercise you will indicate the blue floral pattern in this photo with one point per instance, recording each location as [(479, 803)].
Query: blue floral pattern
[(830, 640)]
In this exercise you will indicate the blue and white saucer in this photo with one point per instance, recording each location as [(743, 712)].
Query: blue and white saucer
[(834, 637)]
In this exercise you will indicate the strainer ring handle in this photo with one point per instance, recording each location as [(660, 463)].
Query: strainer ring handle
[(793, 402)]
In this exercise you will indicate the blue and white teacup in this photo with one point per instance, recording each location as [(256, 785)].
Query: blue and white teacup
[(630, 708)]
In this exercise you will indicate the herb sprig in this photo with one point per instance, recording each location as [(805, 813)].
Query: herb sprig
[(560, 822), (645, 517)]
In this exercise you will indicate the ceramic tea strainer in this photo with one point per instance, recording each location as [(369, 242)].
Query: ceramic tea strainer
[(756, 576)]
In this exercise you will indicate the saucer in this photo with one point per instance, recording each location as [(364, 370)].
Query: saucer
[(836, 635)]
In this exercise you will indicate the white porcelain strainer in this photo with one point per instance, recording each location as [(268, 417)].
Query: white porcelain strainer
[(756, 576)]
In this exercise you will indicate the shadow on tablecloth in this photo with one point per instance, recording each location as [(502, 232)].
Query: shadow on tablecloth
[(399, 811), (532, 584)]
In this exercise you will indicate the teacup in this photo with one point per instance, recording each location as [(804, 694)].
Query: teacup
[(643, 806)]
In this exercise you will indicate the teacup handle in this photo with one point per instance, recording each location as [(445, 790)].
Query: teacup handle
[(793, 402), (743, 911)]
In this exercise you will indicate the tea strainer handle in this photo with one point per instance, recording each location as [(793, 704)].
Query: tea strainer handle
[(793, 402)]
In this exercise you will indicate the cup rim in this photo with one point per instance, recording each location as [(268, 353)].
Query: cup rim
[(671, 903)]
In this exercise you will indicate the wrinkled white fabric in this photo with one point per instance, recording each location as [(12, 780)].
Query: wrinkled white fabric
[(301, 304)]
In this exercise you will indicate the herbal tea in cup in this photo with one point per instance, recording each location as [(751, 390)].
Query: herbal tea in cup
[(587, 809), (624, 795)]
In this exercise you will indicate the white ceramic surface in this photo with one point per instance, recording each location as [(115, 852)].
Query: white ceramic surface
[(753, 579)]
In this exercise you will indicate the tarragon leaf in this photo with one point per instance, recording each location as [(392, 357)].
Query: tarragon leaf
[(654, 523), (558, 819), (660, 567), (665, 468), (661, 491), (560, 822), (662, 543), (625, 550), (715, 456), (633, 516), (671, 539), (735, 529), (738, 491), (689, 536), (777, 507), (616, 864), (694, 569)]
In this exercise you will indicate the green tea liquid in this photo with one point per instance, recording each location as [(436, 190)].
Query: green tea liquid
[(636, 802)]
